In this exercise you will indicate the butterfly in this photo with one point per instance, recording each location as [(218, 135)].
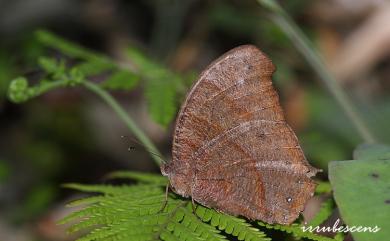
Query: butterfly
[(232, 148)]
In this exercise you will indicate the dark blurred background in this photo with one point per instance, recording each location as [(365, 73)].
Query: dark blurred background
[(69, 135)]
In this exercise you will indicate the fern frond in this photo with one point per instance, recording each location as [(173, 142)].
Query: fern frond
[(135, 212), (86, 201), (237, 227), (194, 223)]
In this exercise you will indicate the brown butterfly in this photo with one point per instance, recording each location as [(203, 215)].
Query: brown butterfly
[(232, 148)]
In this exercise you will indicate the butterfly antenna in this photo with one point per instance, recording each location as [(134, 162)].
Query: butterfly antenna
[(143, 146)]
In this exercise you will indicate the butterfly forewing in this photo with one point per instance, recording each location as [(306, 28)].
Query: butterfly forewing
[(232, 148)]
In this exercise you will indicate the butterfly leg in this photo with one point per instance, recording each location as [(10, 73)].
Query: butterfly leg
[(166, 198), (192, 194), (193, 205)]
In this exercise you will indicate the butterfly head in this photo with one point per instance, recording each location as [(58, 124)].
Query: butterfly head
[(180, 180), (165, 170)]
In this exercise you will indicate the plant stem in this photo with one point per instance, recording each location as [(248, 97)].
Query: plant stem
[(49, 85), (281, 18), (126, 119)]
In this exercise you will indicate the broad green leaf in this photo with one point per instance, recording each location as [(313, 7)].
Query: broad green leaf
[(372, 151), (362, 191), (121, 80)]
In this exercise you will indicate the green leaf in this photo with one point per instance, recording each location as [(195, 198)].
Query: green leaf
[(50, 65), (69, 48), (94, 67), (121, 80), (161, 87), (140, 177), (362, 190), (75, 77), (160, 93)]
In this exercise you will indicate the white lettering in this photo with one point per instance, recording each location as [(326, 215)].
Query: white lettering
[(336, 228)]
